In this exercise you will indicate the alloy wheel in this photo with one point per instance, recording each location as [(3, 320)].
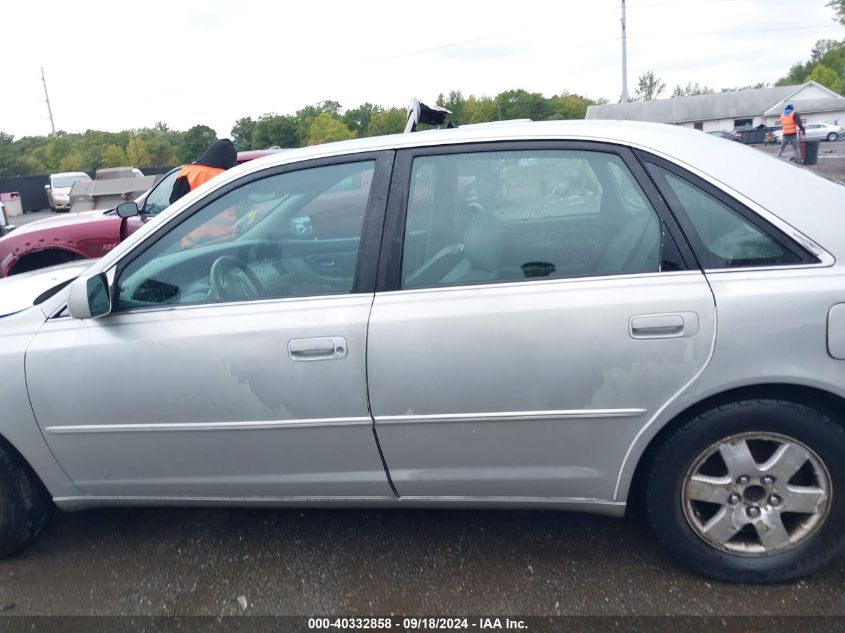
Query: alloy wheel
[(756, 494)]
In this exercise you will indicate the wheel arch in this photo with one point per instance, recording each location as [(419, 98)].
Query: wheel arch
[(819, 399), (68, 253)]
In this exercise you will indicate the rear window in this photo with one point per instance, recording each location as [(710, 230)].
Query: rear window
[(721, 236)]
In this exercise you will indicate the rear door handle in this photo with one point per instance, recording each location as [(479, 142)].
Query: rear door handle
[(320, 348), (669, 325)]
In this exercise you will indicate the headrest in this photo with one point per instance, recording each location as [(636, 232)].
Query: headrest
[(483, 241)]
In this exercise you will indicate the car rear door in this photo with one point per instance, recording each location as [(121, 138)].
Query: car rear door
[(537, 308), (184, 392)]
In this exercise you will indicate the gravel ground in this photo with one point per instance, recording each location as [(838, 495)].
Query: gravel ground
[(222, 562), (831, 158)]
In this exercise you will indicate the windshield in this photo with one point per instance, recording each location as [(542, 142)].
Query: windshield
[(60, 182)]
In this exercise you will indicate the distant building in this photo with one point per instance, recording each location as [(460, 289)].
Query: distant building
[(740, 110)]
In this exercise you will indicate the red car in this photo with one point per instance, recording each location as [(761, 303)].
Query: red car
[(86, 235)]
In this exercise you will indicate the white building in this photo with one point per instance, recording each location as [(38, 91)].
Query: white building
[(740, 110)]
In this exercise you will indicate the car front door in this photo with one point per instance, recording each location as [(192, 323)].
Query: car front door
[(232, 366), (537, 308)]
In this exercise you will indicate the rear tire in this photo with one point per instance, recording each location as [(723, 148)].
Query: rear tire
[(751, 526), (25, 504)]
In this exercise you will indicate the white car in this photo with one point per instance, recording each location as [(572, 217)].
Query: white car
[(823, 131), (818, 132), (58, 191)]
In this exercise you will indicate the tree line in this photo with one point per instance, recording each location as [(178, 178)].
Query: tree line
[(327, 121), (160, 146)]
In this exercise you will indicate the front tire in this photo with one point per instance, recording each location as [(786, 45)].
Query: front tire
[(752, 491), (832, 136), (25, 505)]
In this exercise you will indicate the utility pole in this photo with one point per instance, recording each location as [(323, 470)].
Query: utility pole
[(624, 98), (47, 99)]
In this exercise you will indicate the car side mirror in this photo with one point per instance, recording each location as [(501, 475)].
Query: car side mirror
[(127, 210), (89, 297), (46, 187)]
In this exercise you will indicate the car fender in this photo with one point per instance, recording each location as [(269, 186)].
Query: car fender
[(678, 408), (9, 263), (17, 424)]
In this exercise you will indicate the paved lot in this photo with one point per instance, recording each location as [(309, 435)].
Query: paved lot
[(193, 562), (831, 158), (32, 216)]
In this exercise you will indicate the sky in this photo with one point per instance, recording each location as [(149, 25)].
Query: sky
[(114, 66)]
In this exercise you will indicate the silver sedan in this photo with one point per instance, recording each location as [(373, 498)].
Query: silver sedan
[(570, 315), (818, 132)]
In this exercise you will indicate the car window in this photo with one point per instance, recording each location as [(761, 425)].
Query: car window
[(518, 215), (721, 236), (159, 198), (286, 235), (67, 181)]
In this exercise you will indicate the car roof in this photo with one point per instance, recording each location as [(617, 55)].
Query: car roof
[(70, 173)]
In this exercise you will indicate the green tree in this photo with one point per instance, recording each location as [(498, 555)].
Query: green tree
[(521, 104), (479, 110), (274, 129), (113, 156), (72, 162), (839, 7), (242, 133), (455, 103), (358, 120), (306, 116), (827, 77), (160, 153), (325, 129), (648, 87), (197, 140), (390, 121), (12, 162), (829, 53), (568, 106), (136, 152), (691, 90)]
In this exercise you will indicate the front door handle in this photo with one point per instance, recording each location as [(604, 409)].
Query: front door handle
[(319, 348), (669, 325)]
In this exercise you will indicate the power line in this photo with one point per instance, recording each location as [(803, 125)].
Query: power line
[(767, 30), (676, 3)]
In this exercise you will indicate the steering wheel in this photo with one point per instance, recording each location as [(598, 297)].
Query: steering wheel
[(232, 280)]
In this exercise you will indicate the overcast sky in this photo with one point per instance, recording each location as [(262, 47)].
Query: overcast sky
[(116, 65)]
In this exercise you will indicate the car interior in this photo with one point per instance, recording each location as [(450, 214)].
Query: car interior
[(287, 235), (507, 216)]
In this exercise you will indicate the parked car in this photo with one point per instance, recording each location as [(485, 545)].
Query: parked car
[(817, 132), (823, 132), (88, 234), (725, 134), (58, 189), (577, 315)]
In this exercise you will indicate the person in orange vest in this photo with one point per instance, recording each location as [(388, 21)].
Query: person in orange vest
[(220, 156), (791, 123)]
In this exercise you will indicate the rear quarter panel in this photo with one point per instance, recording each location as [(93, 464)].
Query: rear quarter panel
[(771, 329)]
